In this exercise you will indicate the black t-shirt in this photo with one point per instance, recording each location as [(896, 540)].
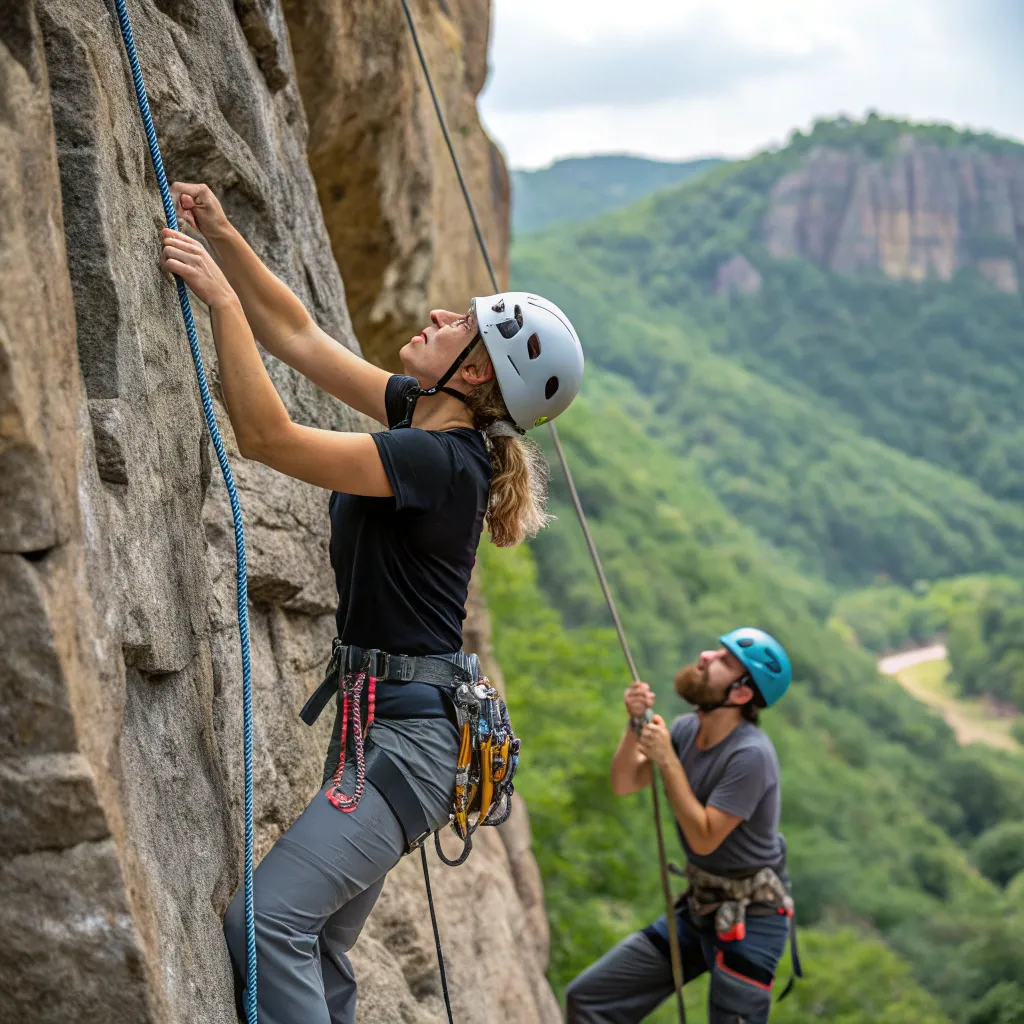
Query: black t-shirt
[(403, 564)]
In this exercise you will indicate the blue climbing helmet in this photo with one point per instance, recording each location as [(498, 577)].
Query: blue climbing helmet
[(764, 658)]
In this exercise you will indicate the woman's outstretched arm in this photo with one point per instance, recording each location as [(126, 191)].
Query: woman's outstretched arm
[(263, 429), (277, 317)]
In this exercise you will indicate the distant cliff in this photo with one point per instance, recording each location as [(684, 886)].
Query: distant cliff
[(922, 211)]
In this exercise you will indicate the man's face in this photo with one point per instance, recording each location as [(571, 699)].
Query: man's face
[(707, 680)]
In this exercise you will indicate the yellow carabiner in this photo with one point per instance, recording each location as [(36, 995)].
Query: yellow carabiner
[(486, 777)]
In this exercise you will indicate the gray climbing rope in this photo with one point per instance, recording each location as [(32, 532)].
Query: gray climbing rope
[(673, 937)]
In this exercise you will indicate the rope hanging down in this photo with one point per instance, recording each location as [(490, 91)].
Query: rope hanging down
[(677, 973), (229, 483)]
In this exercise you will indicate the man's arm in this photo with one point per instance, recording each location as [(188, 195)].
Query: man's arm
[(631, 771), (704, 827)]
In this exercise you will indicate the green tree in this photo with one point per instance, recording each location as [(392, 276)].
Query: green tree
[(999, 852), (1004, 1004)]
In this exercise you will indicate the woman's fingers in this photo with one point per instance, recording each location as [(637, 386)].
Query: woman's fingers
[(167, 235), (179, 252), (198, 205), (188, 196), (181, 269)]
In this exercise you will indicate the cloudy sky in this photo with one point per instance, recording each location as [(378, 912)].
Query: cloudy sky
[(687, 78)]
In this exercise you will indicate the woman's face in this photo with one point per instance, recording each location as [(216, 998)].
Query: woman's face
[(429, 354)]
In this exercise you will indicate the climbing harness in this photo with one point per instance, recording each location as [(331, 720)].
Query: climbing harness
[(675, 956), (488, 749), (487, 760), (725, 901), (229, 483)]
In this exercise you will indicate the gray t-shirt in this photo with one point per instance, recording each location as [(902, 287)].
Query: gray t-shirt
[(739, 775)]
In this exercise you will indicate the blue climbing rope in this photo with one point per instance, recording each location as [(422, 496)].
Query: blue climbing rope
[(229, 483)]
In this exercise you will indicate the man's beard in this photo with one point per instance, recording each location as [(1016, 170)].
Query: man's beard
[(693, 685)]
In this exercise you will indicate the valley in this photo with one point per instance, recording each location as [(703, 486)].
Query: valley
[(830, 451)]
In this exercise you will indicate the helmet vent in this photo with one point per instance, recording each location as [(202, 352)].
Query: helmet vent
[(551, 387), (533, 346), (510, 328), (519, 316), (499, 306)]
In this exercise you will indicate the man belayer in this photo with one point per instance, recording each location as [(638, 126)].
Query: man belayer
[(721, 776)]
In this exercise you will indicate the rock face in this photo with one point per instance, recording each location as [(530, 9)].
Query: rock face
[(926, 212), (391, 201), (120, 684), (737, 276)]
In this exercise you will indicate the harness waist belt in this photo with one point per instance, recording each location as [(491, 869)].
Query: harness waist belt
[(433, 670)]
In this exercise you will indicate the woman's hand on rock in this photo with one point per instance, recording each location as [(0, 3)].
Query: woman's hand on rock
[(199, 207), (189, 259)]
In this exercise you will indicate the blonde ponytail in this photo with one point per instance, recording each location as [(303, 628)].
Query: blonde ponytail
[(517, 503)]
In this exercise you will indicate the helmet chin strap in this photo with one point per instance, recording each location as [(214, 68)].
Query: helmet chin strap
[(725, 701), (417, 393)]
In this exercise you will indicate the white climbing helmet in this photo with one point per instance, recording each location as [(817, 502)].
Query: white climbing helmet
[(536, 354)]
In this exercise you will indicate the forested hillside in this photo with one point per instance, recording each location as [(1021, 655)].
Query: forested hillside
[(869, 425), (882, 809), (581, 187), (757, 436)]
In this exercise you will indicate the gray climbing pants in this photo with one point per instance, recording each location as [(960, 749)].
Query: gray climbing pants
[(635, 977), (315, 888)]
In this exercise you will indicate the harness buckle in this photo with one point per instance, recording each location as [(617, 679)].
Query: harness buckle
[(418, 841), (406, 669), (376, 663)]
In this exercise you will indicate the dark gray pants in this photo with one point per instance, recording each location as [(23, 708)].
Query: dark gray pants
[(634, 978), (315, 888)]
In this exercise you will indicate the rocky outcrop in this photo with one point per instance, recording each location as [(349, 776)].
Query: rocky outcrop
[(737, 276), (120, 717), (927, 211), (391, 200)]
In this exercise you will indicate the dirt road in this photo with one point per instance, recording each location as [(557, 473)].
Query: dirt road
[(896, 663), (969, 720)]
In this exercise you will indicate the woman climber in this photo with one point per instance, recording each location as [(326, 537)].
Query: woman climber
[(407, 508)]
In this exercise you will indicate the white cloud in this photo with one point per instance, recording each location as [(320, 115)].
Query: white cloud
[(553, 72), (691, 77)]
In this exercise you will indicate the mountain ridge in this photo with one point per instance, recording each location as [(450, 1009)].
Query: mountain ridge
[(575, 188)]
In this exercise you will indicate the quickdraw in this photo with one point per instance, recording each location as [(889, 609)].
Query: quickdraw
[(351, 686), (487, 763)]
